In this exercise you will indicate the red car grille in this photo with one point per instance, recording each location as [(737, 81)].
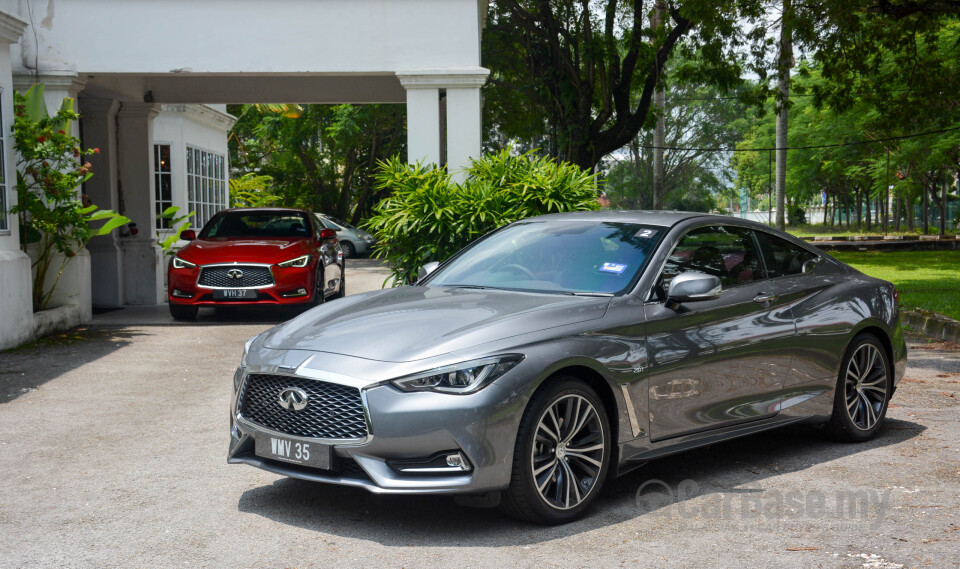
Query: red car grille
[(226, 276)]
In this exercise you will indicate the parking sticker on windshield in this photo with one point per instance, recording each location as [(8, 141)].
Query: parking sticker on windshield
[(614, 268), (645, 233)]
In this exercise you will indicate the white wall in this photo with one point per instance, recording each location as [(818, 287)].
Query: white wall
[(16, 306), (227, 36), (199, 126)]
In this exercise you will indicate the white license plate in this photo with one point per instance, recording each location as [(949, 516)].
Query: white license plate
[(234, 294), (314, 455)]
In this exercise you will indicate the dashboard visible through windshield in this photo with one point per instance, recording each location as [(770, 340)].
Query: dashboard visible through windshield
[(555, 257)]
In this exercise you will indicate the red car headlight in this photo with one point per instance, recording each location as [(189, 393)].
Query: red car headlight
[(298, 262)]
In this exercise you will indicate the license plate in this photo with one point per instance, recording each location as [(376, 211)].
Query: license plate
[(314, 455), (234, 294)]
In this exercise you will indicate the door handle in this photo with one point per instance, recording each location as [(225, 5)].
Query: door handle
[(765, 297)]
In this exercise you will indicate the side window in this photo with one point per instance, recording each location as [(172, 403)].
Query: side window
[(724, 251), (782, 257)]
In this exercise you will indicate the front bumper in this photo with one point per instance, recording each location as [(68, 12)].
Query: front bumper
[(403, 428), (291, 285)]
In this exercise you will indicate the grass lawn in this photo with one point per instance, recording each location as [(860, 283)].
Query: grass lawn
[(929, 280)]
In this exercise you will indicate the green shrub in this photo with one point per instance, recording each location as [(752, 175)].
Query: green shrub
[(796, 215), (429, 217)]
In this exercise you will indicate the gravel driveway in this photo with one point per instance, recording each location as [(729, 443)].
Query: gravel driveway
[(113, 452)]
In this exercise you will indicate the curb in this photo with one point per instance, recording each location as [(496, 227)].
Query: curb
[(933, 325)]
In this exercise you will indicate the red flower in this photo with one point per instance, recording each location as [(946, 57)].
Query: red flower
[(96, 151), (41, 138), (76, 152), (60, 132)]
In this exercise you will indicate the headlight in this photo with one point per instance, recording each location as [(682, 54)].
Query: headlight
[(466, 377), (179, 263), (298, 262)]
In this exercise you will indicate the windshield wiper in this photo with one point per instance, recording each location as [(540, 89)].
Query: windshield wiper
[(600, 294)]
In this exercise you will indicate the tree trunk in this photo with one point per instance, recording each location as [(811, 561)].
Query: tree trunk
[(859, 208), (869, 203), (826, 205), (943, 209), (846, 208), (908, 206), (784, 63), (659, 133), (926, 210), (898, 205)]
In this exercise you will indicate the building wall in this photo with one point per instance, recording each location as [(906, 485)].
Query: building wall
[(197, 126), (293, 36), (16, 306)]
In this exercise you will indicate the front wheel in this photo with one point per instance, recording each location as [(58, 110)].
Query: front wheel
[(318, 286), (863, 390), (562, 454)]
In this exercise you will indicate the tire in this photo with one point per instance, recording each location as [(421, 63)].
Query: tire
[(342, 291), (544, 464), (348, 249), (863, 391), (183, 312)]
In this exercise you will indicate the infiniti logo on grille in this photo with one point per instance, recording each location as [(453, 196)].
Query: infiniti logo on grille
[(293, 398), (234, 274)]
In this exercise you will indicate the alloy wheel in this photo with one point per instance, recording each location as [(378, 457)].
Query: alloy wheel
[(568, 451), (865, 386)]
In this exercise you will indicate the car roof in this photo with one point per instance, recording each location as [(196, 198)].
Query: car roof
[(645, 217), (265, 209)]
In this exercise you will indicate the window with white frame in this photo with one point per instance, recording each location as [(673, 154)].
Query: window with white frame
[(163, 181), (3, 171), (206, 184)]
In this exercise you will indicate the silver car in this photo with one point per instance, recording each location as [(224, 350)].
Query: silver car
[(353, 240), (563, 350)]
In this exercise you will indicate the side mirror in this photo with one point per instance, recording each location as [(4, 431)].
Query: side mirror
[(810, 264), (188, 235), (427, 269), (692, 286), (328, 234)]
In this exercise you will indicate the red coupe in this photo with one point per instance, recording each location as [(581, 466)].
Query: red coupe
[(256, 256)]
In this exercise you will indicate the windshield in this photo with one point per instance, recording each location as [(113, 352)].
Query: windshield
[(555, 256), (254, 224)]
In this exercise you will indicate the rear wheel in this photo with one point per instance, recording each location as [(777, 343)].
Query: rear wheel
[(562, 454), (348, 249), (182, 312), (863, 390)]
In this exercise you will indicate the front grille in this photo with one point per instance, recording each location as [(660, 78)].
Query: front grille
[(333, 411), (252, 276)]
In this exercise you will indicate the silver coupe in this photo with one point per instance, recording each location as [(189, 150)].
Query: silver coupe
[(563, 350)]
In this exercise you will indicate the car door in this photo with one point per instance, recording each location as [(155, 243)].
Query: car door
[(802, 275), (718, 362)]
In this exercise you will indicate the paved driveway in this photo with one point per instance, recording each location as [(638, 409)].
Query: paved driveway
[(113, 454)]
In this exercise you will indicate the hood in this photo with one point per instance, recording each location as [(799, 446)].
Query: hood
[(413, 323), (226, 250)]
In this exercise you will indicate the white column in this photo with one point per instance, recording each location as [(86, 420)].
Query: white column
[(16, 288), (99, 119), (423, 125), (464, 132), (142, 257)]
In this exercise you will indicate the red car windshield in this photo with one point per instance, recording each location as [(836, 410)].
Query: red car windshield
[(289, 224)]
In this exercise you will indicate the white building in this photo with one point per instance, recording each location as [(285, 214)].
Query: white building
[(149, 78)]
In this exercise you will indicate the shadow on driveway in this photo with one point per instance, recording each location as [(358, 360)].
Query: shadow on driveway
[(28, 367), (416, 521)]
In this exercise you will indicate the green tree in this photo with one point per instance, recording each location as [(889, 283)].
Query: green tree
[(321, 157)]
